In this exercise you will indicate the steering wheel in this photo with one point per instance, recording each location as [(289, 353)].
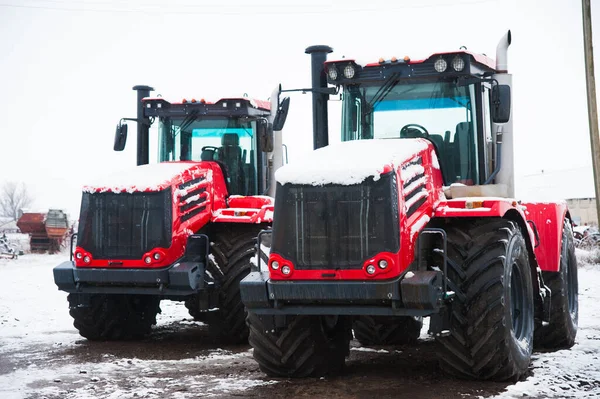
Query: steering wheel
[(211, 155), (412, 130)]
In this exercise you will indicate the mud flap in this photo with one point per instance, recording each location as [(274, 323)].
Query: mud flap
[(439, 323)]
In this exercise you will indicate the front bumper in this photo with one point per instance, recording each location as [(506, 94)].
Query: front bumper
[(177, 280), (421, 294)]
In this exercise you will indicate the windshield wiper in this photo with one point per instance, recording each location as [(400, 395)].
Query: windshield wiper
[(187, 121), (384, 90)]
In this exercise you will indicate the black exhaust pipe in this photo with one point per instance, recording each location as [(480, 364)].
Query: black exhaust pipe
[(143, 126), (318, 56)]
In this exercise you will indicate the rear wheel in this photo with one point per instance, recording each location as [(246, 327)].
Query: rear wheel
[(562, 329), (113, 317), (492, 315), (232, 250), (384, 330), (307, 346)]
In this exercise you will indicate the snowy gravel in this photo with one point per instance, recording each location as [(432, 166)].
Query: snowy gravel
[(42, 355)]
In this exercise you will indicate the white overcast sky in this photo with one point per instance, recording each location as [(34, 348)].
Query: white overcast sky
[(67, 68)]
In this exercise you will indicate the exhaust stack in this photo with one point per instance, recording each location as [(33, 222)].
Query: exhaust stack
[(502, 53), (318, 55), (504, 131), (143, 126)]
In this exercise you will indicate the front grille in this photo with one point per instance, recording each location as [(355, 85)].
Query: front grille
[(124, 225), (335, 226)]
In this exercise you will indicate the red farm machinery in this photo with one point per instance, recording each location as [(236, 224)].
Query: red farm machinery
[(48, 231), (182, 229), (412, 215)]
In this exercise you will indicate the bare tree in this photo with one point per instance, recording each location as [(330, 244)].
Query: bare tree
[(13, 197)]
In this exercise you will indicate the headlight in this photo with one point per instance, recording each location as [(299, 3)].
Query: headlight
[(371, 269), (286, 270), (148, 259), (275, 265), (349, 72), (332, 72), (156, 255), (383, 264), (440, 65), (458, 64), (86, 259)]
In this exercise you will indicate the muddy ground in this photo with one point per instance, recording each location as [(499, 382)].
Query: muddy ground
[(42, 356)]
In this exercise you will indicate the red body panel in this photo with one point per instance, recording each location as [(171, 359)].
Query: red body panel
[(216, 207), (549, 219)]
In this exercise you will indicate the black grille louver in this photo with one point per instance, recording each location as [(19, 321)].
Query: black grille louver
[(189, 206), (414, 189), (335, 226), (124, 225)]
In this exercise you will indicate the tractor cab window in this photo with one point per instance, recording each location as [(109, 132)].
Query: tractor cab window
[(229, 142), (441, 112)]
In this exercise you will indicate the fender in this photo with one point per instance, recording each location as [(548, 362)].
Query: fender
[(547, 217)]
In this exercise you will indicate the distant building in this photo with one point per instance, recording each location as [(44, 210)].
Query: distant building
[(583, 211)]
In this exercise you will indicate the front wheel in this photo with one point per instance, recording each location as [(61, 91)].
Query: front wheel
[(308, 346), (492, 315)]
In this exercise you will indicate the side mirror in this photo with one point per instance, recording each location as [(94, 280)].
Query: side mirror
[(281, 115), (120, 137), (501, 104), (264, 131)]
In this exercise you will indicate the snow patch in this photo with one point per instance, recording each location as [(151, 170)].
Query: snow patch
[(412, 171), (419, 224), (414, 185), (140, 178), (434, 160), (349, 162), (362, 349)]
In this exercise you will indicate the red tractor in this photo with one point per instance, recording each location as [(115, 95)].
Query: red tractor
[(183, 229), (412, 215)]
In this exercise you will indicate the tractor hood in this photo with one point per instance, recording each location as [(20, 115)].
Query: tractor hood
[(153, 177), (350, 162)]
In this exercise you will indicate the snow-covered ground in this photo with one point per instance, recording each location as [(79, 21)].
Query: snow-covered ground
[(572, 373), (42, 355)]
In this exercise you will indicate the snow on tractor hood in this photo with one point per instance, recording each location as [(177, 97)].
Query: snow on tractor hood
[(152, 177), (350, 162)]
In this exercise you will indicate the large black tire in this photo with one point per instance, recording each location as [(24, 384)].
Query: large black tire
[(383, 330), (492, 315), (564, 312), (308, 346), (232, 248), (113, 317)]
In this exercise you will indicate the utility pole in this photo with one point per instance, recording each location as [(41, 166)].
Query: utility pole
[(588, 51)]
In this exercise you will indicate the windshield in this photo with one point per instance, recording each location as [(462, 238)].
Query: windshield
[(439, 111), (226, 141)]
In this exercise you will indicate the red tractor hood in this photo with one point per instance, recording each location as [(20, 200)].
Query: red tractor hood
[(153, 177), (351, 162)]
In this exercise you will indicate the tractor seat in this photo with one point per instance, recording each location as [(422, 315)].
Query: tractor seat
[(230, 154)]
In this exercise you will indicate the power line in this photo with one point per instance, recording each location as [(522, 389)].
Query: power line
[(233, 9)]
